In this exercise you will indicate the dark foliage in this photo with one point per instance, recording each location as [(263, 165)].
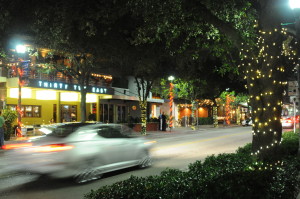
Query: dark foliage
[(290, 143), (201, 121)]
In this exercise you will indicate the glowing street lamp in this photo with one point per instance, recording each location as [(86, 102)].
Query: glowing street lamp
[(294, 4), (20, 50), (171, 78)]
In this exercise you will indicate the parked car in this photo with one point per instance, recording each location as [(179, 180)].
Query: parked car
[(288, 121), (247, 122), (83, 151)]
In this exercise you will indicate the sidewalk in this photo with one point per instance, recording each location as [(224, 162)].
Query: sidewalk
[(184, 130)]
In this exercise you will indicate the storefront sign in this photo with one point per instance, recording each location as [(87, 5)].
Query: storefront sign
[(67, 87)]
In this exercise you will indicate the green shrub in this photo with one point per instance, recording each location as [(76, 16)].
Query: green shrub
[(10, 117), (235, 175), (153, 119), (246, 150), (225, 176), (287, 179), (290, 143), (244, 184), (205, 120), (171, 184)]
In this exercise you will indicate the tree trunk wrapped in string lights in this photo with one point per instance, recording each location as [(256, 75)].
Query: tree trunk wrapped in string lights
[(229, 99), (265, 81), (171, 105), (215, 116), (19, 106), (194, 116), (238, 116), (143, 87), (143, 107)]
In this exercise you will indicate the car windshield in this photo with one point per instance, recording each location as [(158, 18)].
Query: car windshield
[(65, 130)]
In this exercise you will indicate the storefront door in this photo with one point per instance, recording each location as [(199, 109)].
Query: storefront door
[(107, 113)]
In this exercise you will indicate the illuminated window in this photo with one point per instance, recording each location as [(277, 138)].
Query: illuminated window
[(25, 93), (28, 110), (46, 95), (69, 97), (91, 98)]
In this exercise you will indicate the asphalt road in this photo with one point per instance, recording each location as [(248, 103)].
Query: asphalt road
[(172, 150)]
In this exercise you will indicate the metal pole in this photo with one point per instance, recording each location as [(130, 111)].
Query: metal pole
[(294, 103), (19, 109), (197, 114)]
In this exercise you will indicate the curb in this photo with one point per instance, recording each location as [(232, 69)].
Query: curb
[(177, 130)]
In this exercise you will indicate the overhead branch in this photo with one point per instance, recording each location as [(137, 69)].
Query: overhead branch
[(226, 28)]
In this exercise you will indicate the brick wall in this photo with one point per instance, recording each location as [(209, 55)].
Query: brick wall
[(151, 126)]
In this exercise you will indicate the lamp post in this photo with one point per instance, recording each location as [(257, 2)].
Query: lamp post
[(20, 50), (171, 78)]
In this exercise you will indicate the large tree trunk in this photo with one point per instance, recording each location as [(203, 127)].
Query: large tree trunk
[(264, 64), (227, 109), (194, 108), (264, 73), (238, 115), (143, 107), (215, 116), (83, 105), (84, 84), (143, 87)]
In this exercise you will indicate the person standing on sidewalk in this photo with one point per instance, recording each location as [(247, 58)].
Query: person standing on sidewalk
[(160, 121), (2, 123), (164, 122)]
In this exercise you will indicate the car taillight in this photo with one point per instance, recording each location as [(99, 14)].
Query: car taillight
[(53, 148), (16, 146)]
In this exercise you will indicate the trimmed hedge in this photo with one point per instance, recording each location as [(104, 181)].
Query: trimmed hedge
[(235, 175), (201, 121), (290, 143), (205, 120)]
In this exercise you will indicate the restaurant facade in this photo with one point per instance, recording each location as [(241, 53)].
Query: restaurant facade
[(54, 97)]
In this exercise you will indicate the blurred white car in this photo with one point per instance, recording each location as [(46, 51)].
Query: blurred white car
[(81, 150)]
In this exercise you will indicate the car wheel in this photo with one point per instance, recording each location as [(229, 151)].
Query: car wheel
[(87, 171), (145, 160)]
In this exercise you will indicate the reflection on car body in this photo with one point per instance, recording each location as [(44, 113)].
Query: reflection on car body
[(82, 150)]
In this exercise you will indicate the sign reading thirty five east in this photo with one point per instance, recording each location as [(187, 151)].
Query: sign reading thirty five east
[(67, 87)]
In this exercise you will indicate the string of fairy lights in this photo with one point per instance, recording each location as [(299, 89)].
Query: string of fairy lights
[(254, 74), (228, 101), (19, 109)]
